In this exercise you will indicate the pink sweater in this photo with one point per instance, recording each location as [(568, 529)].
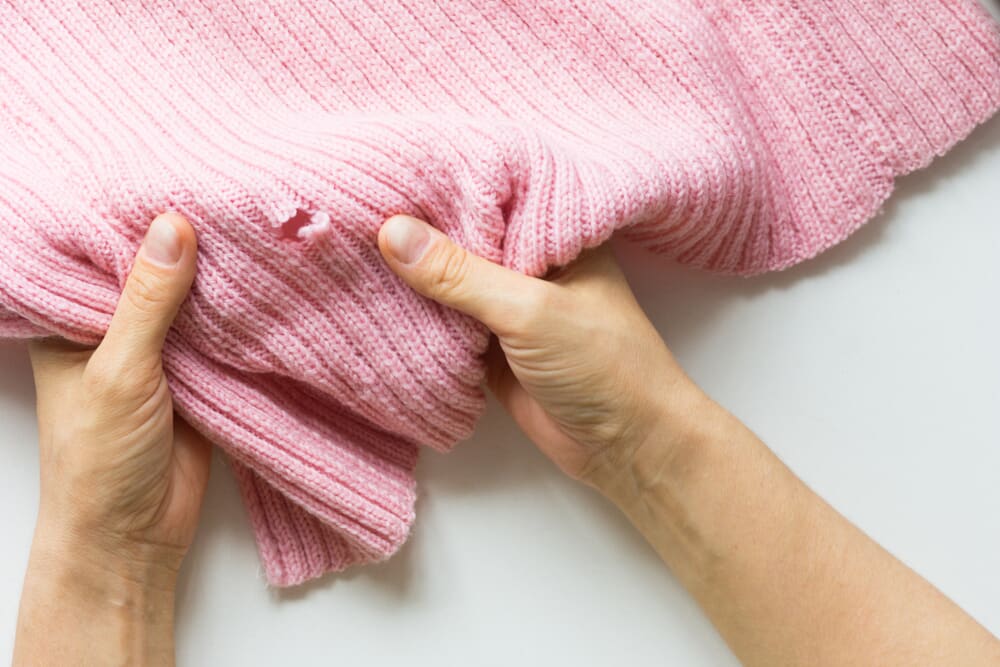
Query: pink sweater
[(736, 135)]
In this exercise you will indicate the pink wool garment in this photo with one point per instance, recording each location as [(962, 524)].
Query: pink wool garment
[(733, 135)]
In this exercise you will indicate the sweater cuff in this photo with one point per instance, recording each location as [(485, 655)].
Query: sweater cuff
[(294, 545), (324, 489)]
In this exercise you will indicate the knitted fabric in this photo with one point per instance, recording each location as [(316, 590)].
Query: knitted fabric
[(733, 135)]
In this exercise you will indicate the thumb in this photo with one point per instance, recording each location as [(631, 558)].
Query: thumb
[(438, 268), (158, 284)]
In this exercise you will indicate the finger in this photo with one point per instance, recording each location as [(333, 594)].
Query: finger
[(54, 360), (159, 282), (440, 269), (596, 269), (193, 455), (57, 353), (499, 376), (506, 388), (55, 363), (528, 413)]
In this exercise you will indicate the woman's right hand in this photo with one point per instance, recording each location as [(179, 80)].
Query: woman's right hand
[(576, 362), (784, 578)]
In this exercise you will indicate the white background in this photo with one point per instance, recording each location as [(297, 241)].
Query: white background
[(873, 371)]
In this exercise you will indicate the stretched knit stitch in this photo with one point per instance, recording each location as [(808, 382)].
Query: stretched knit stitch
[(735, 135)]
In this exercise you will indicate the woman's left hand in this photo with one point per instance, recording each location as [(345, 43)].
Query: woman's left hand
[(122, 477)]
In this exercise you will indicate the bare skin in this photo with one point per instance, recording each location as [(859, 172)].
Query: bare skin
[(784, 578)]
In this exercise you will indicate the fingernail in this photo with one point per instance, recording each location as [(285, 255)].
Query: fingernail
[(407, 238), (163, 243)]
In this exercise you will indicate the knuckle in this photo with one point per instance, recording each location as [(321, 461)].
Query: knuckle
[(449, 272), (146, 292)]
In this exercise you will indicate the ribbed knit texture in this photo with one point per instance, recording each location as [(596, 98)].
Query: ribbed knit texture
[(738, 136)]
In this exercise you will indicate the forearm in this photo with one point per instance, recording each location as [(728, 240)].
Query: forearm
[(83, 606), (783, 576)]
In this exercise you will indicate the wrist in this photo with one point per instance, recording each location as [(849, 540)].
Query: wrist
[(685, 422), (80, 580), (113, 607), (106, 559)]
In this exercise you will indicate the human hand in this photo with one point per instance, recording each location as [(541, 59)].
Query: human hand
[(122, 477), (118, 468), (577, 363), (784, 578)]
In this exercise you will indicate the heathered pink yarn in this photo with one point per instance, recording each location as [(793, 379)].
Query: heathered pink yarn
[(733, 135)]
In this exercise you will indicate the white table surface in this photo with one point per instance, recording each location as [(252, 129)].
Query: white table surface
[(873, 371)]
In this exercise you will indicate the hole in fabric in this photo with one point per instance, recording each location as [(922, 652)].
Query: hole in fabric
[(290, 229), (305, 226)]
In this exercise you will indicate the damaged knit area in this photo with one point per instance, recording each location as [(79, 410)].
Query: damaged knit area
[(731, 135)]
